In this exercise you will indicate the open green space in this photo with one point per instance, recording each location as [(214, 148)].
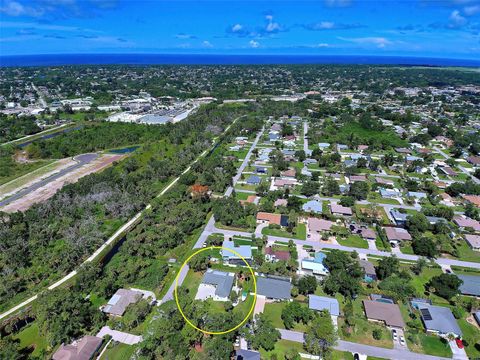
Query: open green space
[(353, 241), (299, 232)]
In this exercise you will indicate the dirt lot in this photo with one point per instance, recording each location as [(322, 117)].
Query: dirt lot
[(48, 190)]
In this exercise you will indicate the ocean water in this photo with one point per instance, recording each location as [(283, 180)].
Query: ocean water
[(195, 59)]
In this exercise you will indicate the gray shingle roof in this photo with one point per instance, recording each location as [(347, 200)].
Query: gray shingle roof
[(247, 355), (222, 280), (274, 288), (439, 318), (471, 285), (119, 302)]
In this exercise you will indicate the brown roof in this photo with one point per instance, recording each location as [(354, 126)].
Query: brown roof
[(269, 217), (317, 225), (474, 199), (474, 160), (473, 240), (119, 302), (83, 349), (381, 180), (279, 254), (397, 234), (388, 313), (354, 178), (466, 222), (280, 202), (339, 209), (288, 173), (368, 234)]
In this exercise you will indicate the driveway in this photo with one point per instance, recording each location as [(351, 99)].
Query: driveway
[(122, 337), (369, 350), (459, 354)]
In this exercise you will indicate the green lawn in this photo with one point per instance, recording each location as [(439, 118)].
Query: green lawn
[(299, 232), (353, 241), (273, 311), (472, 336), (433, 345), (31, 339), (18, 170), (118, 351), (282, 347), (45, 167)]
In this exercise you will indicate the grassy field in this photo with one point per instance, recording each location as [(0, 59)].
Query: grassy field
[(46, 167), (282, 347), (353, 241), (23, 169), (31, 339), (300, 232), (472, 336), (118, 351)]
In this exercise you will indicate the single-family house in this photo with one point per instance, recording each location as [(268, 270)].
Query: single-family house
[(313, 206), (464, 222), (320, 303), (389, 193), (118, 303), (473, 241), (387, 313), (403, 150), (280, 202), (400, 218), (254, 180), (323, 146), (473, 199), (215, 285), (384, 181), (438, 319), (355, 178), (342, 147), (470, 286), (274, 288), (316, 226), (82, 349), (417, 195), (369, 269), (474, 160), (315, 266), (276, 255), (338, 209), (284, 183), (269, 218), (396, 235), (245, 251), (290, 173)]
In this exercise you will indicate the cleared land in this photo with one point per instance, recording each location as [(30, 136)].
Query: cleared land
[(33, 177), (46, 188)]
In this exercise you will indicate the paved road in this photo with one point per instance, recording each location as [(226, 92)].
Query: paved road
[(463, 169), (305, 139), (342, 345), (118, 234), (210, 226), (244, 164), (81, 161), (372, 252)]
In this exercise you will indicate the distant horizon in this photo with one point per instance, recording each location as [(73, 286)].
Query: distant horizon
[(65, 59)]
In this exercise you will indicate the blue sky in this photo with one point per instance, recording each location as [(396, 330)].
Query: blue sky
[(436, 28)]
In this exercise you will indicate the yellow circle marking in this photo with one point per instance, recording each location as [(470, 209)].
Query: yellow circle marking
[(254, 293)]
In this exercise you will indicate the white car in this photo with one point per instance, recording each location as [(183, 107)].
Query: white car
[(402, 341)]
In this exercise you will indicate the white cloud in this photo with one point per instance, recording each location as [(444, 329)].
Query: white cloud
[(326, 25), (207, 44), (272, 26), (237, 28), (471, 10), (380, 42), (37, 26), (338, 3), (456, 19), (322, 45), (254, 44), (14, 8)]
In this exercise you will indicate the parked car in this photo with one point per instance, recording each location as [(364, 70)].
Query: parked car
[(459, 343), (402, 341)]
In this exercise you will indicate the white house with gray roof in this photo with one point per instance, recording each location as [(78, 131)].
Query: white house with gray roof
[(215, 285)]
